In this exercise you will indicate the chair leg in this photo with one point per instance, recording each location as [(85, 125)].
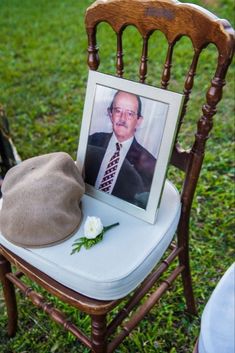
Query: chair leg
[(187, 281), (98, 334), (195, 349), (9, 295)]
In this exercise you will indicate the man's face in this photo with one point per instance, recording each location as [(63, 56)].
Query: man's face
[(124, 116)]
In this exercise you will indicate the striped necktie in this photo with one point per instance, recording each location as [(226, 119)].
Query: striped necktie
[(110, 171)]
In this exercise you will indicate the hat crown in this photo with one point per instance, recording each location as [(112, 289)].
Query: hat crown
[(41, 200)]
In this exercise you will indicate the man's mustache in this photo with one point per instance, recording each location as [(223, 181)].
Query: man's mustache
[(121, 123)]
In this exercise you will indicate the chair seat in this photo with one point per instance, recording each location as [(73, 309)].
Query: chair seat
[(114, 267)]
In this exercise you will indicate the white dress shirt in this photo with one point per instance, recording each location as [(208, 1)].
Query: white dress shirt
[(111, 149)]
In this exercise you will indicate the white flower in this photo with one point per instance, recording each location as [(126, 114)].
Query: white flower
[(92, 227), (93, 231)]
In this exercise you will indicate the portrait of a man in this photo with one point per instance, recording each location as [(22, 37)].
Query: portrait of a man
[(126, 140), (116, 163)]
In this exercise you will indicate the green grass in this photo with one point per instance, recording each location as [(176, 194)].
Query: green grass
[(43, 76)]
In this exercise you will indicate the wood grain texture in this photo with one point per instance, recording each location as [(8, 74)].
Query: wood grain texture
[(79, 301), (9, 296), (173, 18)]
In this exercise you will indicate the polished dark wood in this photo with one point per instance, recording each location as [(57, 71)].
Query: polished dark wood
[(99, 336), (120, 63), (167, 67), (144, 60), (9, 295), (188, 86), (145, 286), (55, 314), (79, 301), (174, 20)]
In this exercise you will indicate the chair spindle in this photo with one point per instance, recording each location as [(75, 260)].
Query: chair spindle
[(144, 59), (119, 63), (167, 67), (188, 85), (214, 95), (93, 60)]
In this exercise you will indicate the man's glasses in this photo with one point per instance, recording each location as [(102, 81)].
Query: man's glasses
[(128, 113)]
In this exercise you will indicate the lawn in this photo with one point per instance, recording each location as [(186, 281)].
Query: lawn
[(43, 73)]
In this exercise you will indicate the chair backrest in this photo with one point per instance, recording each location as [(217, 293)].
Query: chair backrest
[(175, 20)]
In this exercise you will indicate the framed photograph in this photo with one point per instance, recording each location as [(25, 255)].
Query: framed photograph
[(126, 139)]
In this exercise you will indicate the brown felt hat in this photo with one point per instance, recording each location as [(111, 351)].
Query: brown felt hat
[(41, 200)]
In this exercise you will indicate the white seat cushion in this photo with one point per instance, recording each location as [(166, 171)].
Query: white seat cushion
[(115, 266)]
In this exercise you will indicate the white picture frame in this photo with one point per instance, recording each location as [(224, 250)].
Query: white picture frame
[(160, 110)]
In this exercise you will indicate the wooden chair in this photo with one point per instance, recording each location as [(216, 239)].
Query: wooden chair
[(174, 20)]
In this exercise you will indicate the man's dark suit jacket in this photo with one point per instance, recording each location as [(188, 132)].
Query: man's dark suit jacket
[(135, 176)]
